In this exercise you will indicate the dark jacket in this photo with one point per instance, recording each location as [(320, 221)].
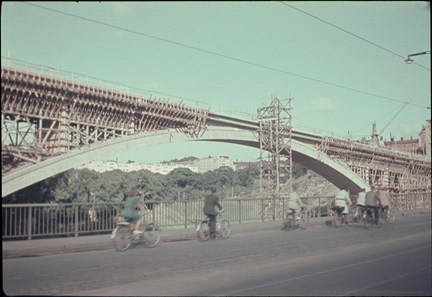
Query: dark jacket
[(211, 201)]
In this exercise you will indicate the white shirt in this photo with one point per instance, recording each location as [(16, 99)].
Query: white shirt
[(361, 199), (342, 200), (294, 201)]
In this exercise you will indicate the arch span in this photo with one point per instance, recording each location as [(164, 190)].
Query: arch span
[(305, 154)]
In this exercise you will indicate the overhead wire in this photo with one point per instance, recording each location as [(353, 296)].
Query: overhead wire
[(219, 54), (351, 33)]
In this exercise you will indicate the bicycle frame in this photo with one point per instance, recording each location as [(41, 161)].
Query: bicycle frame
[(150, 236), (223, 228), (291, 221)]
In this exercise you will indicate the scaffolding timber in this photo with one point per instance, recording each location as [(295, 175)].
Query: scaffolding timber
[(275, 134), (380, 166), (44, 116)]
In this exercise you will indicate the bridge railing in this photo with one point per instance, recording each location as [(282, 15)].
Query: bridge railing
[(30, 221)]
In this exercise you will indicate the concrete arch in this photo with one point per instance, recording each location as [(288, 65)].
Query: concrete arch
[(305, 154)]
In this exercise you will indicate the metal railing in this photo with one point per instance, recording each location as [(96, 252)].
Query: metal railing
[(29, 221)]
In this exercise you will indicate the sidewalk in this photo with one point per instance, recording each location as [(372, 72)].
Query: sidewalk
[(42, 247)]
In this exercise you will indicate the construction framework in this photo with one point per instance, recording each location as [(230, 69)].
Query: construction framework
[(275, 134), (382, 167), (43, 116)]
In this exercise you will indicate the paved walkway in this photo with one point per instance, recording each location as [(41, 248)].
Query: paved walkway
[(41, 247)]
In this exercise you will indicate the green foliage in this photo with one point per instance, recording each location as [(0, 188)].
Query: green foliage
[(87, 186)]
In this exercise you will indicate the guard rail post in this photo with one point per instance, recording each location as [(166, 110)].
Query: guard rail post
[(186, 214), (239, 210), (76, 220), (29, 223)]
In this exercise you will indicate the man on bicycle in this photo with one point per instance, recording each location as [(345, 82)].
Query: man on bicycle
[(342, 200), (385, 198), (211, 201), (361, 200), (373, 201), (134, 209), (295, 204)]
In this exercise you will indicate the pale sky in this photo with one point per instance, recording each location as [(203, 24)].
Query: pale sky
[(342, 62)]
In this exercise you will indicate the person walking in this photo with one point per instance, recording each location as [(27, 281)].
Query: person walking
[(211, 201)]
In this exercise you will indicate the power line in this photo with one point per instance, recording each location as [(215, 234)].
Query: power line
[(350, 33), (220, 55)]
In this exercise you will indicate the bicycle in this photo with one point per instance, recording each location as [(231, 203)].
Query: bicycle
[(223, 228), (387, 215), (369, 219), (122, 237), (339, 218), (291, 222), (359, 214)]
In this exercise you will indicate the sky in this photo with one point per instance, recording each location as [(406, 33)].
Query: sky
[(341, 62)]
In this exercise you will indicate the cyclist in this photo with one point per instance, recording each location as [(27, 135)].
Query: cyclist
[(385, 198), (211, 201), (295, 204), (133, 209), (373, 201), (361, 201), (342, 200)]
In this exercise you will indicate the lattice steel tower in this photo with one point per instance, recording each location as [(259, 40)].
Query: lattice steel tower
[(275, 133)]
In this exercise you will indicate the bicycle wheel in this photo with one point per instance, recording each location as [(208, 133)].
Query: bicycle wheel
[(304, 221), (368, 219), (337, 219), (380, 220), (203, 232), (151, 236), (361, 216), (390, 216), (122, 238), (289, 222), (349, 219), (225, 229)]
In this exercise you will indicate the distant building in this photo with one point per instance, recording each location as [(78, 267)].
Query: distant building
[(422, 145), (198, 165), (425, 139), (410, 145), (212, 163), (243, 165)]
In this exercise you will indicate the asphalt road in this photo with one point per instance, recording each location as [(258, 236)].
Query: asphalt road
[(392, 260)]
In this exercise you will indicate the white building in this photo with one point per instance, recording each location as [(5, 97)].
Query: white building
[(212, 163), (198, 165), (161, 168)]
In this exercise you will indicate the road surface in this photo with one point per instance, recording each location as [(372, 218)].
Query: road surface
[(392, 260)]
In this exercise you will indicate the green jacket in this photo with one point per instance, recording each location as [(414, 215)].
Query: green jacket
[(130, 211)]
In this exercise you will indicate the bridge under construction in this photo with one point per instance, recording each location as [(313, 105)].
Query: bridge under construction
[(46, 116)]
